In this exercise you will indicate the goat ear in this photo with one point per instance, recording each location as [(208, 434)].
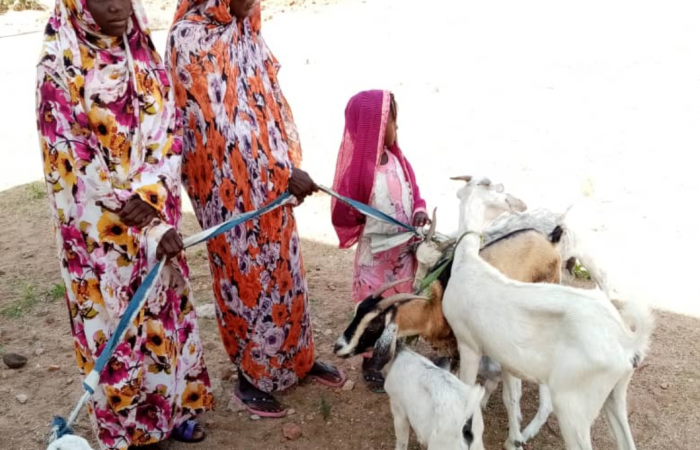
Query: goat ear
[(431, 231), (515, 203), (465, 178), (385, 347), (447, 244)]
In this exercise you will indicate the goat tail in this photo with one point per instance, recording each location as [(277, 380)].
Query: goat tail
[(639, 317)]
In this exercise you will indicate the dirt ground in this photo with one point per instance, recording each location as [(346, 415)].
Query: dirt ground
[(663, 398)]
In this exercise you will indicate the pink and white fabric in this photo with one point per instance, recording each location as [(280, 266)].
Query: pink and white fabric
[(390, 188)]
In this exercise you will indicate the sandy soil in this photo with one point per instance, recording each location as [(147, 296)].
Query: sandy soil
[(663, 396)]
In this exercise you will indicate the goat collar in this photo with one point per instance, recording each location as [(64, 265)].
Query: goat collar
[(435, 274)]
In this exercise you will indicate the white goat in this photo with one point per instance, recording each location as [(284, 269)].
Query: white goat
[(572, 340), (69, 442), (443, 412), (519, 252)]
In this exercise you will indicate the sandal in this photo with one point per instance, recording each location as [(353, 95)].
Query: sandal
[(186, 431), (260, 404), (374, 379), (327, 375)]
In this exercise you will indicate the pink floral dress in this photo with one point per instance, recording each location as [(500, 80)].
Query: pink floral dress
[(393, 196)]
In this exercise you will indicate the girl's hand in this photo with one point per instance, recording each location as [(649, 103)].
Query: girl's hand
[(421, 219), (137, 213), (170, 245), (301, 185)]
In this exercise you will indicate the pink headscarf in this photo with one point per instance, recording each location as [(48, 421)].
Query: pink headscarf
[(366, 116)]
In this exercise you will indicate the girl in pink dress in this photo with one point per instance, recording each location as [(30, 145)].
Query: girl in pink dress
[(372, 169)]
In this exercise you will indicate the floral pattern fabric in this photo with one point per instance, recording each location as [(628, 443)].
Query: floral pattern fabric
[(240, 146), (391, 195), (109, 131)]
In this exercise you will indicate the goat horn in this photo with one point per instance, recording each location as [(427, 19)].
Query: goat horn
[(465, 178), (431, 231), (378, 293), (398, 298)]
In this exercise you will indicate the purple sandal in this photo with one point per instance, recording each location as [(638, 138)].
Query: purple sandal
[(185, 432)]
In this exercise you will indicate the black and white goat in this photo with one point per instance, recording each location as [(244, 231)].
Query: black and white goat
[(445, 413)]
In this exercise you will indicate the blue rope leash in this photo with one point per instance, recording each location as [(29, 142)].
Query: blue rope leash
[(61, 426), (369, 211)]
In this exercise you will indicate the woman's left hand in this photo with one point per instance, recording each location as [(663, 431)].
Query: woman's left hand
[(301, 185), (137, 213), (421, 219)]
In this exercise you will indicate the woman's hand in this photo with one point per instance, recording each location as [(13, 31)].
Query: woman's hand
[(170, 245), (301, 185), (137, 213), (242, 8), (421, 219)]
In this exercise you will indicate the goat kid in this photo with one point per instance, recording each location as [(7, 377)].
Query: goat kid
[(443, 412), (572, 340), (69, 442)]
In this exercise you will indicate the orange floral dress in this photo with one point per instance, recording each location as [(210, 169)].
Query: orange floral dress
[(240, 146)]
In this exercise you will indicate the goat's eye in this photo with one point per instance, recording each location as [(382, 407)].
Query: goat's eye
[(467, 432)]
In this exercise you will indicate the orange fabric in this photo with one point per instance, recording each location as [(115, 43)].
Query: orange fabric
[(240, 145)]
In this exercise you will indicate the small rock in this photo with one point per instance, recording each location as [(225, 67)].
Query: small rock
[(227, 373), (328, 332), (14, 360), (207, 311), (310, 417), (54, 368), (69, 381), (39, 351), (349, 386), (665, 385), (234, 406), (210, 346), (291, 412), (255, 417), (22, 398), (331, 288), (291, 431)]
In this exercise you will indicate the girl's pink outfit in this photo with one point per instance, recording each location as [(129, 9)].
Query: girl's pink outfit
[(390, 188)]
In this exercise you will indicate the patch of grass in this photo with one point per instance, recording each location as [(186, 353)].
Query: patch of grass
[(581, 272), (36, 191), (2, 349), (57, 291), (30, 296), (25, 303), (325, 409)]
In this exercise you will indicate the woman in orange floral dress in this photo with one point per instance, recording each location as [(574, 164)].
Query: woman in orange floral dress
[(111, 142), (241, 151)]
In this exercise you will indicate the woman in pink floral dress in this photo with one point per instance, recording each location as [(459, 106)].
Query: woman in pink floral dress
[(372, 169), (111, 146)]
